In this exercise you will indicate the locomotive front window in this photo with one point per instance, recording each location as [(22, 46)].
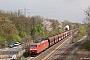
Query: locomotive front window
[(33, 46)]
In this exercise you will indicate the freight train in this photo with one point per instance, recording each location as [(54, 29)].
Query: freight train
[(41, 45)]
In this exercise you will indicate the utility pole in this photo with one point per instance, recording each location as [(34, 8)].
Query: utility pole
[(19, 13), (58, 29), (72, 37), (23, 11), (34, 30)]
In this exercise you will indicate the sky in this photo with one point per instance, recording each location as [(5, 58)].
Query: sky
[(71, 10)]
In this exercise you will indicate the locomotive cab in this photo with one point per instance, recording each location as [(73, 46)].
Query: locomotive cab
[(33, 48)]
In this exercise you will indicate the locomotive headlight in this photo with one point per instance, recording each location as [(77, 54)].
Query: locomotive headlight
[(31, 49)]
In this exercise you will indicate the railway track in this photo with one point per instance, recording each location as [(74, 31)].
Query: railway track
[(67, 52), (50, 51), (46, 55), (56, 49), (29, 58)]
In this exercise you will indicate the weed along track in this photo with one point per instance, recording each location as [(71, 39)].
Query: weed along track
[(67, 52)]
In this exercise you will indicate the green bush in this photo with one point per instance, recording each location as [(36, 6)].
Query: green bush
[(1, 37), (22, 34), (86, 45), (17, 38), (52, 33), (81, 32)]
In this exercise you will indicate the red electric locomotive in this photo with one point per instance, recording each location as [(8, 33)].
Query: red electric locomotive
[(37, 47)]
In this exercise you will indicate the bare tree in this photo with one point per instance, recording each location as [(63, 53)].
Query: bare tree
[(87, 21)]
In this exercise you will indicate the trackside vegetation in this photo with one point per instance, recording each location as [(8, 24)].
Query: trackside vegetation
[(86, 45), (17, 27), (83, 52), (81, 32)]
